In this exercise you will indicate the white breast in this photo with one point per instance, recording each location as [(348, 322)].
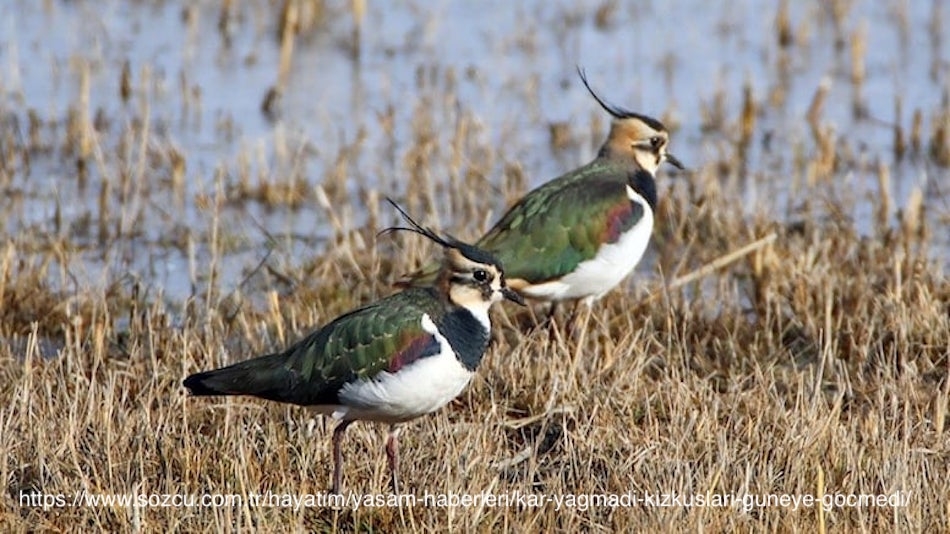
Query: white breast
[(603, 272), (416, 389)]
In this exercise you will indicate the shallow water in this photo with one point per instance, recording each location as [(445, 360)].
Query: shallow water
[(511, 65)]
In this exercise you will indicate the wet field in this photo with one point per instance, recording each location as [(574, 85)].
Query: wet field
[(187, 184), (136, 130)]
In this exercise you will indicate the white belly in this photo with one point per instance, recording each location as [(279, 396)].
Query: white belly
[(600, 274), (414, 390)]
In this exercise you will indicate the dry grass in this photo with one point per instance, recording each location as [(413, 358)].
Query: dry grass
[(816, 362)]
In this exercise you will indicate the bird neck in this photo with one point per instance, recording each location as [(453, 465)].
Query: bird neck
[(466, 298), (467, 334), (479, 310), (645, 185)]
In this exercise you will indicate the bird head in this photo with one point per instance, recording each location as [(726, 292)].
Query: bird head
[(642, 139), (469, 276)]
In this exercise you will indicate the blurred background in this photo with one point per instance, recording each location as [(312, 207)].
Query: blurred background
[(141, 135)]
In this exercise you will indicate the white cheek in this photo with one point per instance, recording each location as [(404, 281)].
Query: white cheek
[(648, 160)]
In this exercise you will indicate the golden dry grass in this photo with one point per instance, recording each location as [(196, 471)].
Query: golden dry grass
[(817, 363)]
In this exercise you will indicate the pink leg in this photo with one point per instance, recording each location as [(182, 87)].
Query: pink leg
[(338, 455), (392, 452)]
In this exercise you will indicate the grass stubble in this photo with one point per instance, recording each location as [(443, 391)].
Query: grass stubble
[(750, 353)]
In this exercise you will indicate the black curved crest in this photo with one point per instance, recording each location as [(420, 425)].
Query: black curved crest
[(618, 112), (469, 251)]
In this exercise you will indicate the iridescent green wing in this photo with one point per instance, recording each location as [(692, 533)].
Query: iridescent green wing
[(557, 226), (383, 336)]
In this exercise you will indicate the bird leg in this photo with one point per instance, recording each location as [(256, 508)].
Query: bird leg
[(338, 455), (572, 319), (579, 333), (539, 321), (548, 320), (392, 453)]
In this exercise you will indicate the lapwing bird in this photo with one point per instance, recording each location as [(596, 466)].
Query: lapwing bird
[(579, 235), (399, 358)]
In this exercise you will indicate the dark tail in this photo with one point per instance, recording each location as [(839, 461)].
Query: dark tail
[(265, 377)]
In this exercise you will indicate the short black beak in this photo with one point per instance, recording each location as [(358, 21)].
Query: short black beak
[(512, 295), (674, 162)]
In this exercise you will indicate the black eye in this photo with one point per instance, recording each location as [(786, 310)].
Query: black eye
[(656, 141), (480, 275)]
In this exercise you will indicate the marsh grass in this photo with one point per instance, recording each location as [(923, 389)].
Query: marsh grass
[(821, 356), (815, 361)]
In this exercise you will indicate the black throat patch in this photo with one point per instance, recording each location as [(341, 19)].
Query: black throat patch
[(467, 336), (643, 183)]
